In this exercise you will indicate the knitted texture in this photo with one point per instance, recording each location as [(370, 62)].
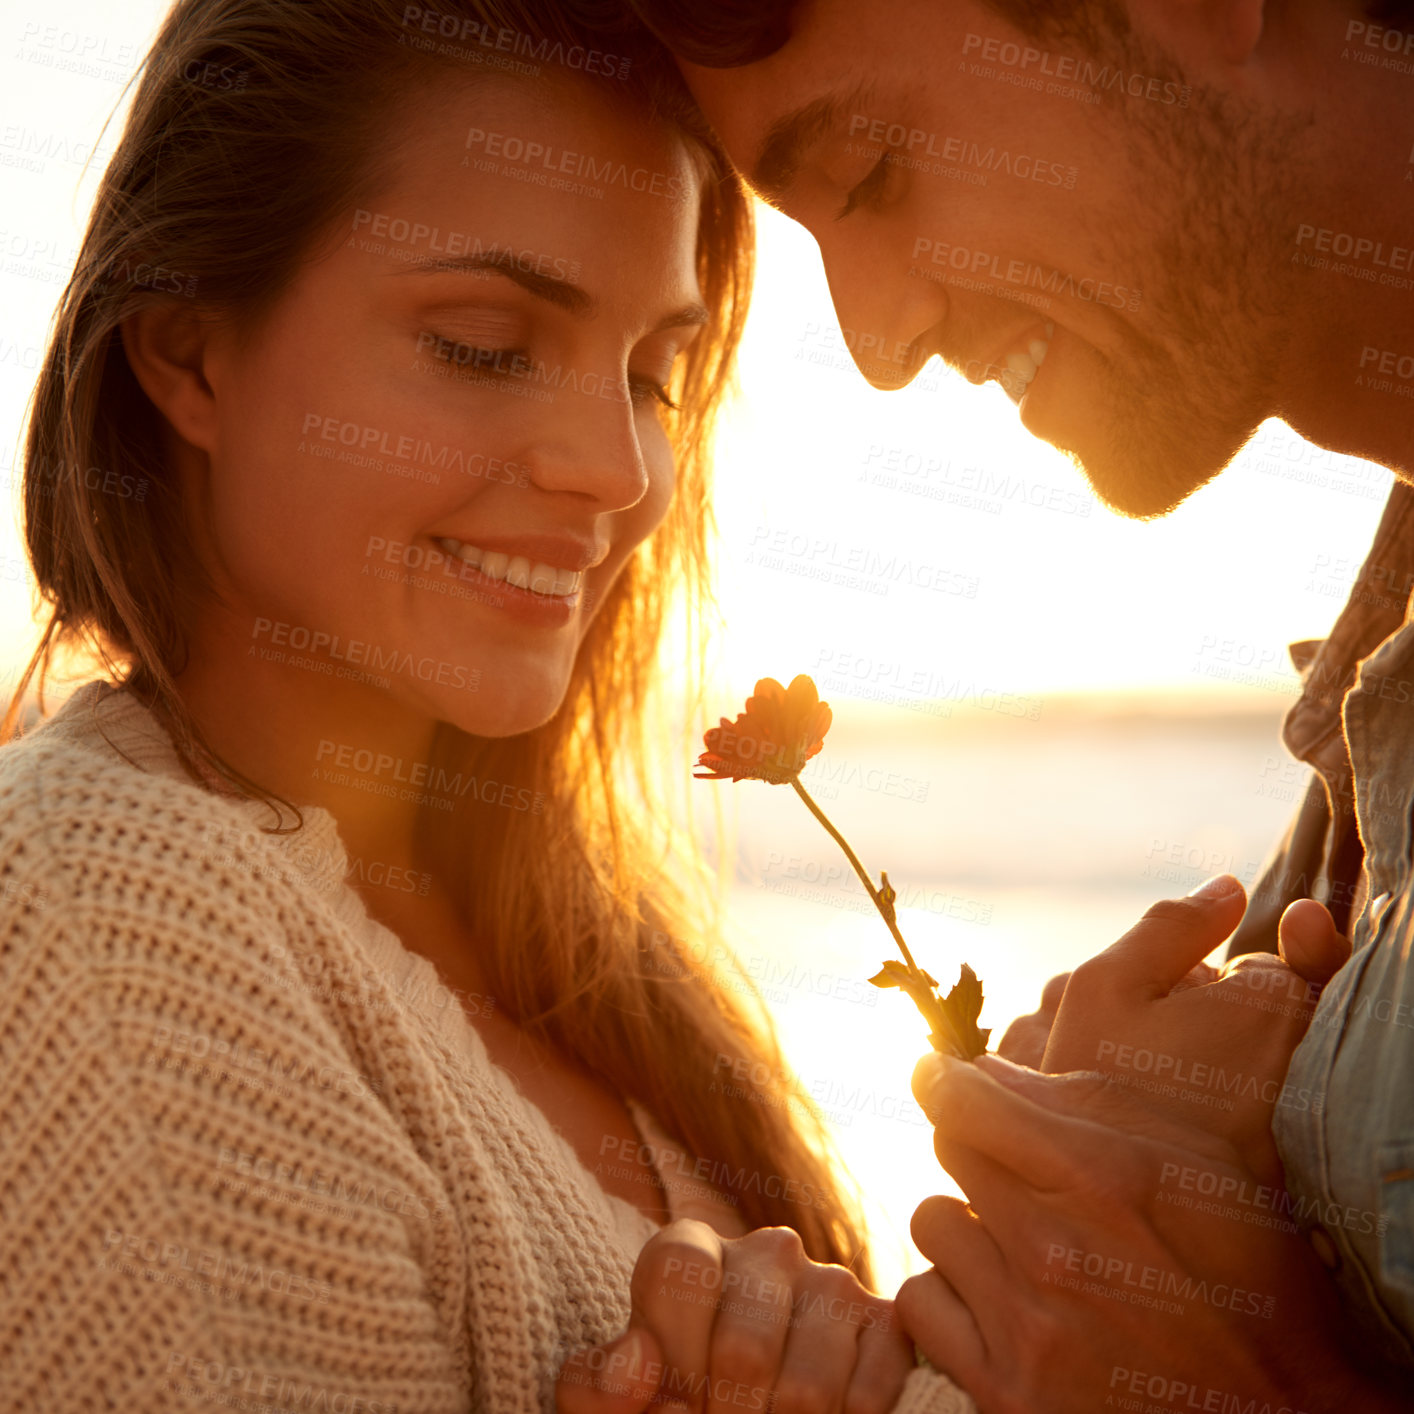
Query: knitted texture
[(252, 1154)]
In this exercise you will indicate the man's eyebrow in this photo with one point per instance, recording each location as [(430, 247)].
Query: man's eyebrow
[(562, 293), (789, 138)]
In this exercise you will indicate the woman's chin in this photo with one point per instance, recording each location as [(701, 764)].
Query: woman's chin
[(503, 718)]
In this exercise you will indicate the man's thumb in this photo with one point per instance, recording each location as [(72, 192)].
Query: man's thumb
[(618, 1378), (1174, 936), (1308, 942)]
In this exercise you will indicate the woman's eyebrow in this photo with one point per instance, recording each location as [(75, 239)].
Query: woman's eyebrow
[(562, 293), (688, 314)]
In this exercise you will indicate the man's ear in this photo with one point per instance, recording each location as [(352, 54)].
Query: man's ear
[(1203, 33), (168, 344)]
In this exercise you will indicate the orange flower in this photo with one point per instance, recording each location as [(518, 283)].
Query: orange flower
[(781, 729)]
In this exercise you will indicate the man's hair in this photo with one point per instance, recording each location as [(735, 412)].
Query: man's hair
[(718, 34), (723, 34)]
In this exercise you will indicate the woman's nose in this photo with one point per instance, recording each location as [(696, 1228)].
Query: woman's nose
[(591, 447)]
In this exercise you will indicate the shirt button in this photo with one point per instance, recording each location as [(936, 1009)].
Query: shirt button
[(1325, 1248)]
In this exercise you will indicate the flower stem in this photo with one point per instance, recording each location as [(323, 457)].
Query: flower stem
[(936, 1013)]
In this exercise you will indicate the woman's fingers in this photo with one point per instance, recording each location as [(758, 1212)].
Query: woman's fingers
[(754, 1317), (882, 1362), (675, 1286), (824, 1344), (937, 1318)]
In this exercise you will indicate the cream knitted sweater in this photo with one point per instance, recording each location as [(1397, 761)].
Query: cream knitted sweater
[(252, 1154)]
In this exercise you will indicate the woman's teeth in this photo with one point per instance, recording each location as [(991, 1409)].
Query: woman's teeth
[(517, 571), (1021, 366)]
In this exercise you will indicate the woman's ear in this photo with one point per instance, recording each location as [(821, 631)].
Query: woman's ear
[(168, 345)]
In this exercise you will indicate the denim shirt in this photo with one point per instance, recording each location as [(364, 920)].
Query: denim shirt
[(1349, 1152)]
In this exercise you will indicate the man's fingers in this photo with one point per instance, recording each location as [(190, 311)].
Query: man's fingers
[(1309, 943), (1173, 937), (1044, 1149), (618, 1378), (956, 1241), (1025, 1039)]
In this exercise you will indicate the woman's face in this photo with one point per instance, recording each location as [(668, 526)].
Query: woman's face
[(436, 452)]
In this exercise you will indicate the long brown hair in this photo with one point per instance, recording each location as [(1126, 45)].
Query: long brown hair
[(254, 123)]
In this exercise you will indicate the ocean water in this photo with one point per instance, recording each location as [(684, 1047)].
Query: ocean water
[(1018, 846)]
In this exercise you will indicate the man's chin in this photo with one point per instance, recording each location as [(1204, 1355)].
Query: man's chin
[(1142, 484)]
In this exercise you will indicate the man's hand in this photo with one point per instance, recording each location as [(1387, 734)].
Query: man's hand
[(1210, 1045), (1081, 1273), (742, 1323), (1308, 944)]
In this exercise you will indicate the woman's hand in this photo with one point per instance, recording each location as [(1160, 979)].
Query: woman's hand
[(746, 1323)]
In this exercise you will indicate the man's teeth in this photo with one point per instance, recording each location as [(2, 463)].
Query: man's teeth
[(1021, 366), (517, 571)]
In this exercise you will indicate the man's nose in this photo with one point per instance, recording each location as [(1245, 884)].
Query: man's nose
[(883, 310)]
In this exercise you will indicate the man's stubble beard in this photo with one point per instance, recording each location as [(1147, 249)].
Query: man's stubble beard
[(1210, 252)]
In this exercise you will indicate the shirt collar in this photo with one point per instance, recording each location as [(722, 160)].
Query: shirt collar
[(1378, 606)]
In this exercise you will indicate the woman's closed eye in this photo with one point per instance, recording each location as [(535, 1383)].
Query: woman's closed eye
[(473, 358)]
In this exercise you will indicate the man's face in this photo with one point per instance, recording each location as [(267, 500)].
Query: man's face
[(1074, 224)]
